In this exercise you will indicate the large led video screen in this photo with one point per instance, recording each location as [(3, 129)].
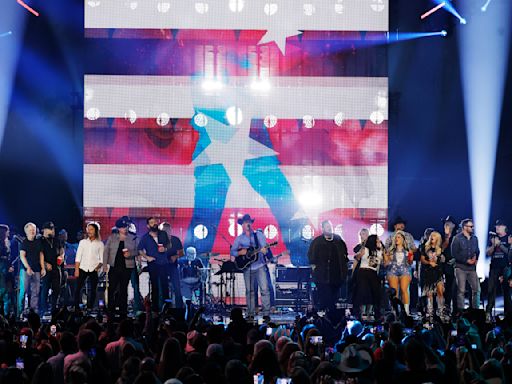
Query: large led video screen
[(198, 112)]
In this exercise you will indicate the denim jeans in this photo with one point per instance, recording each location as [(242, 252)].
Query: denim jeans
[(270, 288), (30, 285), (461, 276), (6, 287), (258, 276), (51, 280), (174, 276)]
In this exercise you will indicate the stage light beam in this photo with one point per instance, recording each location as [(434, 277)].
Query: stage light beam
[(433, 10), (450, 8), (14, 21), (483, 69), (484, 7), (403, 36), (30, 9)]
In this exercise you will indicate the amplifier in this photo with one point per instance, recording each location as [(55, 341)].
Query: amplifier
[(292, 274), (289, 291)]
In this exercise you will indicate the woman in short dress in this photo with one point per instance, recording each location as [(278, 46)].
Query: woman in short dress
[(368, 287), (398, 260), (432, 274)]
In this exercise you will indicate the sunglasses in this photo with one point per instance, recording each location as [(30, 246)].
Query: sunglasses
[(469, 226)]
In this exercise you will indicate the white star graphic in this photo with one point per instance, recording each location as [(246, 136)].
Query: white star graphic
[(231, 146), (283, 18), (279, 36)]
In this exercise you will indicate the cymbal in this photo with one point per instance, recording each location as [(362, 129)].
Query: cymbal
[(209, 254)]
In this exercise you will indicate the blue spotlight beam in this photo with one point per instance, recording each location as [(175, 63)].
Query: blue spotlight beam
[(403, 36), (450, 8), (484, 7), (14, 21), (483, 46)]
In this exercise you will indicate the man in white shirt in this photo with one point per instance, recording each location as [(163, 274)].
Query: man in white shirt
[(88, 261)]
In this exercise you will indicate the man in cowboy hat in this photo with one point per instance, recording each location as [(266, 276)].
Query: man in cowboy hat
[(255, 272), (399, 225), (119, 261)]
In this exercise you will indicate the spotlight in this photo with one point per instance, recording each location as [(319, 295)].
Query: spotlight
[(307, 232), (376, 229), (270, 121), (270, 231), (484, 7), (450, 8), (308, 121), (260, 85), (403, 36), (234, 115), (484, 59), (212, 85), (200, 120), (163, 119), (310, 199), (200, 231)]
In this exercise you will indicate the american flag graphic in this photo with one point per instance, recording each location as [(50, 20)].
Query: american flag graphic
[(200, 111)]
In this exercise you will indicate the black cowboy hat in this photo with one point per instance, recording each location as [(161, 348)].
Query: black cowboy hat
[(449, 219), (399, 220), (245, 218)]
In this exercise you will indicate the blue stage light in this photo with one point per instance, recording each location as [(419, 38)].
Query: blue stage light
[(450, 8), (484, 45), (13, 20), (484, 7)]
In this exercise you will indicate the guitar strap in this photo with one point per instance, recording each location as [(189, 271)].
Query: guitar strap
[(256, 244)]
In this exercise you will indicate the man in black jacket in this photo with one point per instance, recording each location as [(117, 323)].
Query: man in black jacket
[(450, 288), (499, 273), (328, 257), (53, 259)]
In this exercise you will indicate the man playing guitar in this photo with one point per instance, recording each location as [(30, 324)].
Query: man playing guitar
[(255, 272)]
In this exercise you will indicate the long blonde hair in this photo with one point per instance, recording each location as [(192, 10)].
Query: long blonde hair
[(392, 249), (437, 245)]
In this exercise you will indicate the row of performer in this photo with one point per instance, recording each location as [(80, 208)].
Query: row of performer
[(37, 270)]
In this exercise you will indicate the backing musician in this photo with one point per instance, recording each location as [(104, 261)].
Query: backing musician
[(191, 275), (254, 273)]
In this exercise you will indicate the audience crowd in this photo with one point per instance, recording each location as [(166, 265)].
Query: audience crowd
[(164, 348)]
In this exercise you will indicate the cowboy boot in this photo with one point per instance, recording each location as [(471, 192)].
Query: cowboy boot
[(430, 309)]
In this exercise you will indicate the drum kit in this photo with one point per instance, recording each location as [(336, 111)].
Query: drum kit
[(198, 283)]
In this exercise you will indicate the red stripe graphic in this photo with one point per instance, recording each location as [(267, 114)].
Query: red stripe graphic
[(326, 144)]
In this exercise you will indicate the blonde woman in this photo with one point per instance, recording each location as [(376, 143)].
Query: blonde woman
[(398, 260), (432, 274)]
